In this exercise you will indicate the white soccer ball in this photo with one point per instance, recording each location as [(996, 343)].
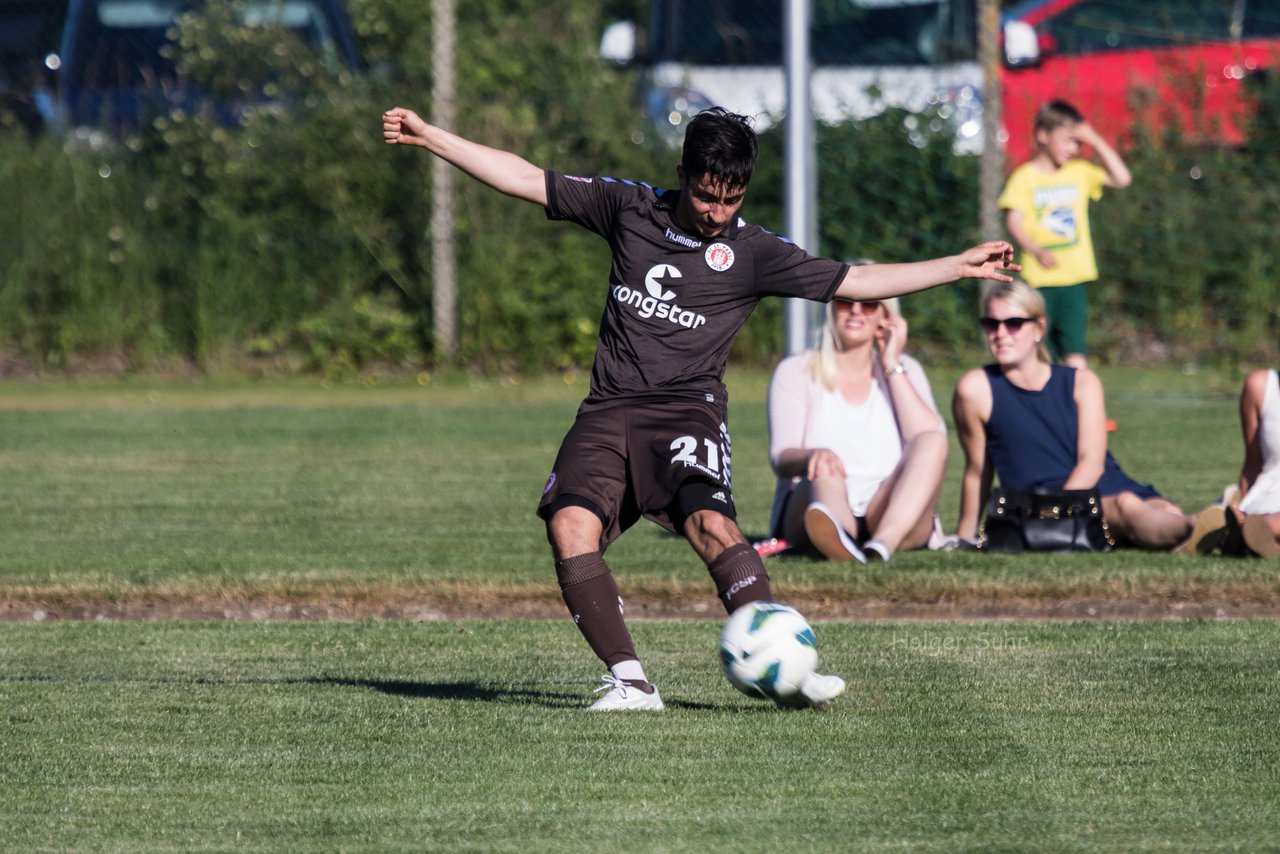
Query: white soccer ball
[(767, 650)]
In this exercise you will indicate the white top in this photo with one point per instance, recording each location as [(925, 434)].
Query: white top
[(797, 403), (864, 436), (1264, 495)]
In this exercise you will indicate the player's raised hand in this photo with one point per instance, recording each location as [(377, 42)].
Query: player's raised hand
[(404, 127), (987, 260), (502, 170)]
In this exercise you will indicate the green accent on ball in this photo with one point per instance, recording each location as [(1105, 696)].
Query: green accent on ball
[(768, 680), (762, 613)]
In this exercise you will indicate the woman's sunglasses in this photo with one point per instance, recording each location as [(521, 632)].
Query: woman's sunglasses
[(866, 306), (1013, 324)]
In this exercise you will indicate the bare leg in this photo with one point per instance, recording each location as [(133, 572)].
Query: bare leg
[(900, 514), (828, 491), (834, 495), (738, 572), (574, 531), (1152, 523), (836, 528), (710, 533)]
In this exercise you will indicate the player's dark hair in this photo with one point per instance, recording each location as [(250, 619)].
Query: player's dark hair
[(720, 145), (1055, 114)]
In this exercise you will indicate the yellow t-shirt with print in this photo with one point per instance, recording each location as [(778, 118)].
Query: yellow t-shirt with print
[(1055, 214)]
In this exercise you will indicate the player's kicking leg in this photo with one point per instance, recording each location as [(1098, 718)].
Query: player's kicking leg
[(740, 577)]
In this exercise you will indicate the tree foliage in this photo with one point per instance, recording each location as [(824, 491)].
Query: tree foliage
[(296, 240)]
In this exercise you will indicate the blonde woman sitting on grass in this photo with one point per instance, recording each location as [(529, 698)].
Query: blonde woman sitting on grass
[(1040, 426), (855, 439)]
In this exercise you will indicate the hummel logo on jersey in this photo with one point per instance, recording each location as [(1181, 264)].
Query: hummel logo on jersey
[(682, 240), (659, 301)]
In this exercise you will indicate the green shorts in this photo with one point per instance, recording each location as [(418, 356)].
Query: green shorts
[(1067, 307)]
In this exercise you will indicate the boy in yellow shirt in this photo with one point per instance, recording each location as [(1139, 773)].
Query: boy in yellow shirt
[(1046, 205)]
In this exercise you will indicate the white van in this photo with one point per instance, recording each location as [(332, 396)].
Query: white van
[(868, 55)]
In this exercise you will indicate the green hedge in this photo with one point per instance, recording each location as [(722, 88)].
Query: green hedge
[(299, 242)]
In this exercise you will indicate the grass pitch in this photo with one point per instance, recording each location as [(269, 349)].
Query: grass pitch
[(470, 736), (379, 496)]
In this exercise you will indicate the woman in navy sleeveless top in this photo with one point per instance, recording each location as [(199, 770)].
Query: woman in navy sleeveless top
[(1043, 426), (1032, 436)]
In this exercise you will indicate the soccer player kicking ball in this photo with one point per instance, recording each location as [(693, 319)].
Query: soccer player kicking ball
[(651, 438)]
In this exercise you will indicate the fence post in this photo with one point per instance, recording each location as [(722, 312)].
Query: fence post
[(991, 168), (443, 263), (801, 181)]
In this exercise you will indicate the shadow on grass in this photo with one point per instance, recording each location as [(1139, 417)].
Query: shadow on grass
[(464, 691), (474, 692)]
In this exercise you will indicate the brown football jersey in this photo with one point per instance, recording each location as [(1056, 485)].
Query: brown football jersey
[(676, 301)]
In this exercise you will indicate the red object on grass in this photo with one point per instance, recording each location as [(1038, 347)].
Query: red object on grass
[(770, 547)]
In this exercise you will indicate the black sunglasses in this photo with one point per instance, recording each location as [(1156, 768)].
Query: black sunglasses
[(1013, 324)]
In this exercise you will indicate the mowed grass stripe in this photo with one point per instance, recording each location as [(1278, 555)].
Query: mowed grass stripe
[(407, 493), (471, 736)]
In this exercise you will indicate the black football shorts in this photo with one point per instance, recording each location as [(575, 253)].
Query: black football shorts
[(629, 461)]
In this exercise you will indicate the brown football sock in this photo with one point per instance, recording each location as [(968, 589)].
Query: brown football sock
[(592, 596), (740, 577)]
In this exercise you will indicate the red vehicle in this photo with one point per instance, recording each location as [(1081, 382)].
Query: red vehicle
[(1156, 64)]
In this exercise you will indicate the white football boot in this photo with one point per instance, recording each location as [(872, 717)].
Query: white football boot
[(626, 698), (816, 692)]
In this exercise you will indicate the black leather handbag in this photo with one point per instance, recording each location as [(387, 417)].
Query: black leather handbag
[(1070, 520)]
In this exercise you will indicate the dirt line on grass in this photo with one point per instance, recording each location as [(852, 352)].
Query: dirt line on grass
[(869, 609)]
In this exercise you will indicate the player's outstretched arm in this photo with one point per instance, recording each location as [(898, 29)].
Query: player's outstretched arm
[(505, 172), (989, 260)]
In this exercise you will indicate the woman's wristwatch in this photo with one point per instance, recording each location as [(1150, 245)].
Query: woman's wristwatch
[(896, 369)]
